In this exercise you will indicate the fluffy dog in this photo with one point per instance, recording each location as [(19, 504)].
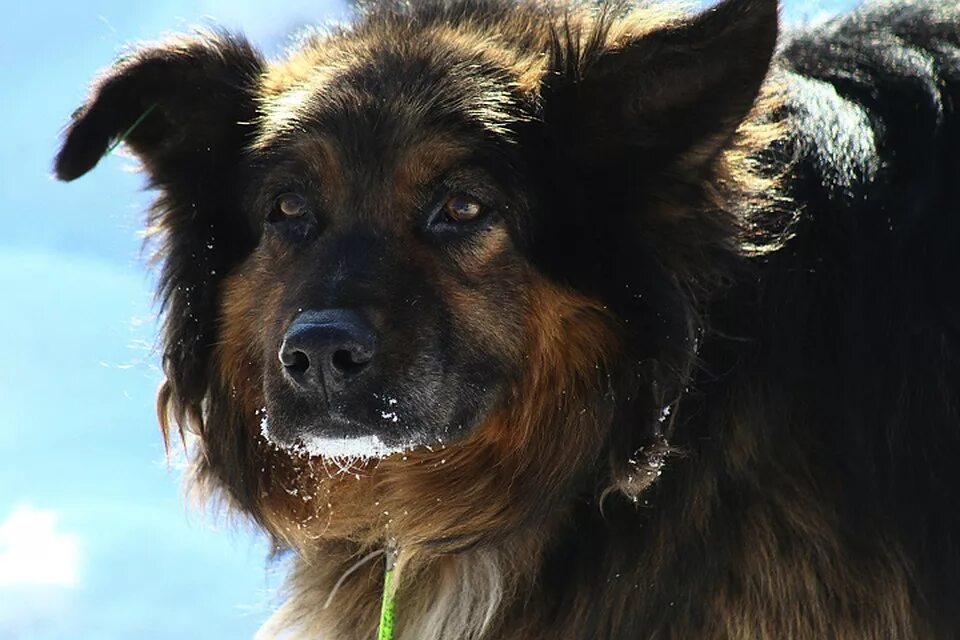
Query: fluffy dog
[(613, 322)]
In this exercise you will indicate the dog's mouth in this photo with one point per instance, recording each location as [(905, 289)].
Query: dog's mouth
[(335, 435), (358, 447), (373, 419)]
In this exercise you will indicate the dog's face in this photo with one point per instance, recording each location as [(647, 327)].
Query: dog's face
[(390, 276), (471, 234)]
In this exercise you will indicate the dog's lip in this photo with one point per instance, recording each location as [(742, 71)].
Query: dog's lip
[(335, 435), (368, 447)]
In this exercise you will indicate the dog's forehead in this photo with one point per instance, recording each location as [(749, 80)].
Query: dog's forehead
[(389, 91), (388, 117)]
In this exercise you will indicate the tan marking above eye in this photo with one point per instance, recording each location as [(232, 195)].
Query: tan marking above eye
[(291, 205), (462, 208)]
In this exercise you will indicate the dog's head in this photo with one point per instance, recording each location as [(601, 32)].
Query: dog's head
[(462, 245)]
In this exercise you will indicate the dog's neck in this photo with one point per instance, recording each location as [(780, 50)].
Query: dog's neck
[(461, 595)]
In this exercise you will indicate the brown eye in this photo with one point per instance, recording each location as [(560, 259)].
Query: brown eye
[(291, 205), (463, 208)]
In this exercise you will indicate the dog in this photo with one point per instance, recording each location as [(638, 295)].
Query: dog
[(601, 321)]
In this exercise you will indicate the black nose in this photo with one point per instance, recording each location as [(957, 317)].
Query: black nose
[(327, 348)]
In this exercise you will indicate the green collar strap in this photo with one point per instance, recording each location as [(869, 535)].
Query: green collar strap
[(385, 631)]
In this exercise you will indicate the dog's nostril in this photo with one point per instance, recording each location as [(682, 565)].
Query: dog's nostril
[(297, 362), (348, 362)]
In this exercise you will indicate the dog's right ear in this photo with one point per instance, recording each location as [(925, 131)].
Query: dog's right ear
[(180, 105), (188, 109)]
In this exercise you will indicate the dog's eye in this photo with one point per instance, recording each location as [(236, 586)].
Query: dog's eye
[(290, 205), (461, 208)]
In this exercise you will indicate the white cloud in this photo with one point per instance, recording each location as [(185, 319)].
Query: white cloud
[(32, 551)]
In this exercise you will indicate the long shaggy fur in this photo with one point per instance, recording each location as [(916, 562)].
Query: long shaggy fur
[(706, 357)]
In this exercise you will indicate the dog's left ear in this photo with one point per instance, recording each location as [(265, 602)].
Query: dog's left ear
[(675, 93)]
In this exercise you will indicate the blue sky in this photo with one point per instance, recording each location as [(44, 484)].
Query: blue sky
[(95, 539)]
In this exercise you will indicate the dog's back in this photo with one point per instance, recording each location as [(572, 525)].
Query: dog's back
[(864, 300)]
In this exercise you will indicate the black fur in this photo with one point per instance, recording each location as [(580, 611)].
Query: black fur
[(869, 284)]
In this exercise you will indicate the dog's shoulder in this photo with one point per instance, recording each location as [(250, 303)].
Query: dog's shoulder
[(873, 109), (873, 99)]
